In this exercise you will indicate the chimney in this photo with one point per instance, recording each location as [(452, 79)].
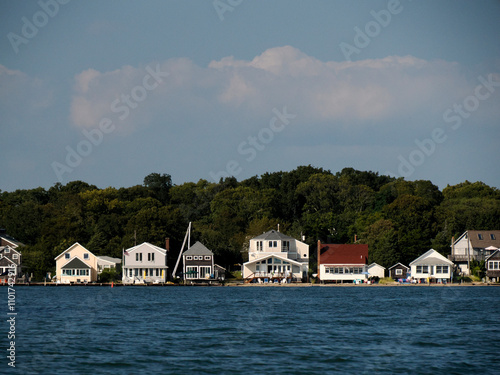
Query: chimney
[(167, 244), (278, 227), (319, 254), (453, 245), (355, 238)]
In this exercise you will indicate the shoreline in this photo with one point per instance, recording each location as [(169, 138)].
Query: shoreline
[(255, 285)]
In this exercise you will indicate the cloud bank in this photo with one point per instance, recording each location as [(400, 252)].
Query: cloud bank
[(351, 93)]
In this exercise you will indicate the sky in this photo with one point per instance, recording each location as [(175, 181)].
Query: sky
[(108, 92)]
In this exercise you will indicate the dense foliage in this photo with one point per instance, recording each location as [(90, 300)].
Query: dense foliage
[(398, 219)]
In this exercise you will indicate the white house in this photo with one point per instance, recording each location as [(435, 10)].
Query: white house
[(473, 245), (432, 265), (76, 264), (375, 270), (274, 255), (342, 263), (144, 263)]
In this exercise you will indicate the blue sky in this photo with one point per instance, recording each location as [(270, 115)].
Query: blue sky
[(110, 91)]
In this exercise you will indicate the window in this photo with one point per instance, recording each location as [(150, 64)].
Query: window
[(338, 270), (422, 269), (285, 245), (189, 257), (7, 250), (130, 274), (480, 236), (138, 257), (207, 257), (86, 256), (15, 256), (152, 257), (66, 256), (492, 236), (399, 272), (191, 272), (257, 268), (327, 269), (259, 246), (493, 265), (275, 243), (441, 269), (204, 271)]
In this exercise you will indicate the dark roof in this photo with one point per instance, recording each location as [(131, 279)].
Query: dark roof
[(8, 240), (486, 241), (494, 255), (273, 235), (198, 249), (343, 254), (75, 263)]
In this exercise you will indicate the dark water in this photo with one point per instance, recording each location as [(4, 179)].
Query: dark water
[(266, 330)]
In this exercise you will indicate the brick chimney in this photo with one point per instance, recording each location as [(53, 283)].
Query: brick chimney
[(167, 244)]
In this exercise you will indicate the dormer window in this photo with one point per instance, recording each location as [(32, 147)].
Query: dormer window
[(189, 257), (492, 236), (480, 236), (285, 245)]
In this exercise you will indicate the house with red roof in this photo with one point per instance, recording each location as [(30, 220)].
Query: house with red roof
[(342, 263)]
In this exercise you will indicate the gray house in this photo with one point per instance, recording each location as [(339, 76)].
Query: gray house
[(10, 261), (104, 262), (473, 245), (198, 263), (144, 263), (399, 271)]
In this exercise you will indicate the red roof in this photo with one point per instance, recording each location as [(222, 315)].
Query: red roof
[(343, 254)]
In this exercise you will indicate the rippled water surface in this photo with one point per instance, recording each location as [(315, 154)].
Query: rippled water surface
[(260, 330)]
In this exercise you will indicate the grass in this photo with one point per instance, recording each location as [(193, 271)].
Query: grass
[(386, 280)]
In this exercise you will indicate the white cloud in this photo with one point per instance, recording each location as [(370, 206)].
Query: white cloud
[(380, 90), (19, 89)]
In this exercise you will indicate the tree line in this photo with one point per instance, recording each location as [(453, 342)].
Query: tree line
[(398, 219)]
